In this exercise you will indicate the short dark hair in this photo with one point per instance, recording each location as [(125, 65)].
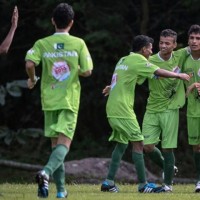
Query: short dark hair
[(169, 33), (62, 15), (194, 29), (141, 41)]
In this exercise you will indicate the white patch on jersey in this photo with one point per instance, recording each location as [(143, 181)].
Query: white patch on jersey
[(198, 73), (55, 46), (31, 51), (176, 69), (148, 64)]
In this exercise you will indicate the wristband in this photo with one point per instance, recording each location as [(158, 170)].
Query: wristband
[(36, 78)]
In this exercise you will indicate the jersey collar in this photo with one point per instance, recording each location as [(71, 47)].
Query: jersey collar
[(162, 58), (61, 33)]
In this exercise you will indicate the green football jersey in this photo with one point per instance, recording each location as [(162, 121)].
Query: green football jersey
[(167, 93), (192, 67), (61, 56), (126, 74)]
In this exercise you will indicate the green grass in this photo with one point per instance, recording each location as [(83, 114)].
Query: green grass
[(92, 192)]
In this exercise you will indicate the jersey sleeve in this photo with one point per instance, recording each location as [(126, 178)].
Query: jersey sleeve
[(34, 54), (85, 59), (147, 69), (140, 80)]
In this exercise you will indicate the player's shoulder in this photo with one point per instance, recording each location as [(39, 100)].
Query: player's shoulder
[(181, 52)]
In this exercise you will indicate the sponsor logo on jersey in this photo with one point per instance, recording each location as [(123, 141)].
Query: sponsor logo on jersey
[(60, 70)]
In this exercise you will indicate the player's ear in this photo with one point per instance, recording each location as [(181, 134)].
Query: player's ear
[(144, 49), (71, 23), (175, 45)]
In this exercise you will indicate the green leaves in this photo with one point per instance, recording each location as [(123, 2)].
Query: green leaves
[(12, 88), (9, 136)]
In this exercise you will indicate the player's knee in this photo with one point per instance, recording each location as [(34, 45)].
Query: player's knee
[(148, 148), (196, 148)]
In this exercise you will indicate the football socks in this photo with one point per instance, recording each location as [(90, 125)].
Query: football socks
[(138, 160), (169, 161), (56, 159), (115, 160)]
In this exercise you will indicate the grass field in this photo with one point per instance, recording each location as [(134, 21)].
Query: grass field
[(92, 192)]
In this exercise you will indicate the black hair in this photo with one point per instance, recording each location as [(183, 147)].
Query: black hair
[(62, 15), (194, 29), (141, 41), (169, 33)]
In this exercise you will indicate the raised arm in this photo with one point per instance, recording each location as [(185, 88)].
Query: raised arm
[(5, 45)]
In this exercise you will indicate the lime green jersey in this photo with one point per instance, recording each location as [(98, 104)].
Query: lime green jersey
[(167, 93), (62, 57), (126, 74), (192, 67)]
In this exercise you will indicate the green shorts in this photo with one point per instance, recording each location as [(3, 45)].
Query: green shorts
[(193, 124), (162, 126), (60, 121), (125, 130)]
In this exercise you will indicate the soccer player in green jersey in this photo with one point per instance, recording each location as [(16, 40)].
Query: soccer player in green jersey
[(122, 119), (5, 45), (64, 58), (192, 67), (161, 119)]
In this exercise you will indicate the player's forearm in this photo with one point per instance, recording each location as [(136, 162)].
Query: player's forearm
[(30, 70), (169, 74), (165, 73)]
